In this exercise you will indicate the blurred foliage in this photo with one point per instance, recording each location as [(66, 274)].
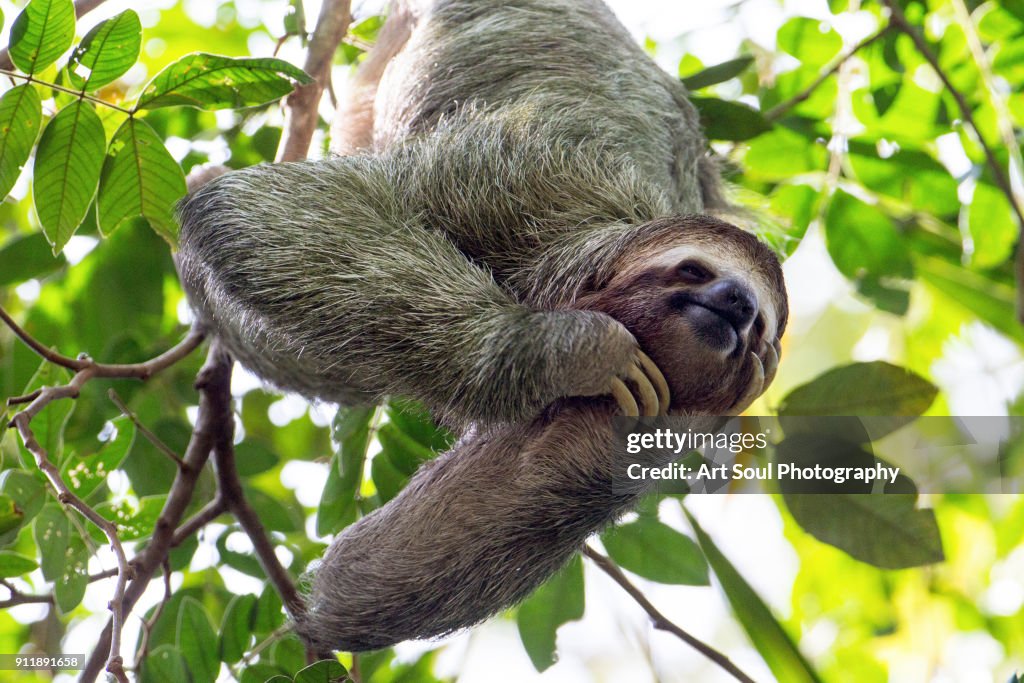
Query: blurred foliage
[(868, 156)]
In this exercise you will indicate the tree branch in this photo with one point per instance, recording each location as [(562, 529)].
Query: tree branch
[(899, 20), (301, 106), (779, 110), (660, 621), (84, 364), (230, 491), (214, 385)]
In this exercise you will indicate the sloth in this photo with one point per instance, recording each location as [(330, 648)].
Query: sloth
[(518, 232)]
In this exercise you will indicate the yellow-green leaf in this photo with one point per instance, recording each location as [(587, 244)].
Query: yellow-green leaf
[(20, 117), (67, 169), (41, 34), (215, 82), (106, 52), (139, 178)]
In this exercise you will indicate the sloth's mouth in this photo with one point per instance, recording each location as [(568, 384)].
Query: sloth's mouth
[(714, 329)]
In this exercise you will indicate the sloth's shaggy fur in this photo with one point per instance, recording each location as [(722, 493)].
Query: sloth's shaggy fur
[(495, 247)]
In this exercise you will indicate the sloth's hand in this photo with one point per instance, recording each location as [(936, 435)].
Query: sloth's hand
[(765, 364), (642, 389)]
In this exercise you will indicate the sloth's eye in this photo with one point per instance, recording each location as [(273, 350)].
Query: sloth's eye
[(694, 273)]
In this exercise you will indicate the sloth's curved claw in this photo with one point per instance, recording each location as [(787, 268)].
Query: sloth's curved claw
[(653, 373), (642, 390), (624, 398), (756, 386), (645, 391), (771, 364)]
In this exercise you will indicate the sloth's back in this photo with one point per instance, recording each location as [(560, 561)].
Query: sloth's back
[(569, 61)]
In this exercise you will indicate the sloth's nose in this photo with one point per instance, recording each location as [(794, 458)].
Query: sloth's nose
[(733, 300)]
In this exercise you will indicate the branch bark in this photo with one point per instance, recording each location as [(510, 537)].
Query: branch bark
[(301, 106)]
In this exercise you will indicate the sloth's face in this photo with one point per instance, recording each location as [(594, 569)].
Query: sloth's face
[(709, 310)]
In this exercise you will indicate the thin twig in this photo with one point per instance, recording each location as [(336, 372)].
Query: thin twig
[(214, 385), (301, 106), (899, 20), (777, 112), (210, 512), (20, 598), (660, 621), (21, 422), (123, 371), (82, 7), (147, 624), (27, 398), (80, 94), (150, 436)]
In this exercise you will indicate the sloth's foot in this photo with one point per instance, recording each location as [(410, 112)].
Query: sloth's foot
[(644, 379)]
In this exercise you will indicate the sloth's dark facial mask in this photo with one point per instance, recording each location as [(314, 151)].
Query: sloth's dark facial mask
[(709, 310)]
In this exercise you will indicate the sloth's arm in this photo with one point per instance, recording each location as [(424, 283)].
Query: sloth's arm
[(319, 281)]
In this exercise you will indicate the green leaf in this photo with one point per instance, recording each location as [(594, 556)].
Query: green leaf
[(268, 613), (990, 300), (12, 564), (27, 256), (67, 169), (243, 562), (69, 588), (254, 457), (764, 630), (557, 601), (48, 426), (134, 520), (804, 39), (402, 450), (165, 665), (725, 120), (52, 533), (875, 388), (41, 34), (367, 29), (862, 239), (279, 513), (351, 431), (884, 530), (197, 641), (235, 628), (21, 114), (415, 420), (866, 247), (11, 515), (27, 492), (719, 73), (83, 475), (782, 154), (992, 225), (657, 552), (139, 178), (324, 671), (214, 82), (106, 52)]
